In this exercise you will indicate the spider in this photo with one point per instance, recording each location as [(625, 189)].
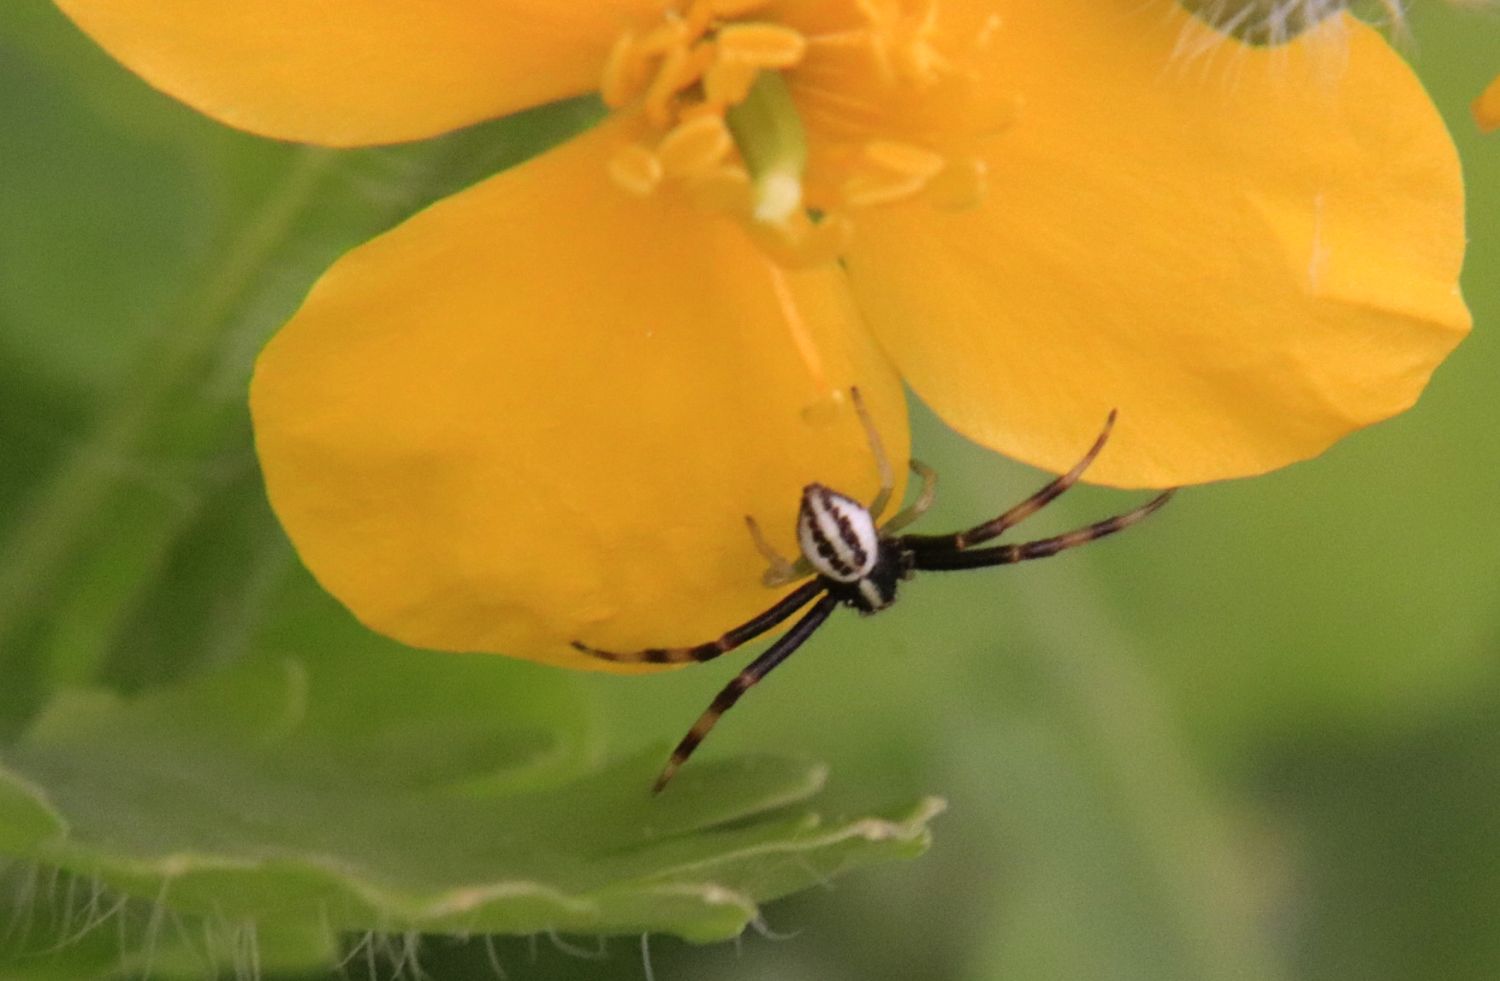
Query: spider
[(856, 562)]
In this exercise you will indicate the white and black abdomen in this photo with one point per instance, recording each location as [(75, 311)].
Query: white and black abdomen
[(836, 534), (838, 537)]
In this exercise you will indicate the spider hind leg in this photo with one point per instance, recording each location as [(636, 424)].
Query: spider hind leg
[(743, 682), (726, 642)]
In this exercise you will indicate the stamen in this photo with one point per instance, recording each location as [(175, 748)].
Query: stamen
[(893, 171), (670, 35), (636, 169), (682, 67), (626, 72), (898, 108), (904, 158), (762, 45), (694, 146), (727, 82)]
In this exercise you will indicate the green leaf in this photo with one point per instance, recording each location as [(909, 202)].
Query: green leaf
[(335, 777), (371, 787)]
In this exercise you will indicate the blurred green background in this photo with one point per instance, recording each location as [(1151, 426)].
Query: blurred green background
[(1259, 740)]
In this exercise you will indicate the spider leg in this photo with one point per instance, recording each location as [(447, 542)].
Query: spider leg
[(996, 527), (918, 507), (742, 682), (877, 450), (746, 631), (782, 570), (1041, 548)]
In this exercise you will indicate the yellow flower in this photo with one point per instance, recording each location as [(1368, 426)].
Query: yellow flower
[(540, 409)]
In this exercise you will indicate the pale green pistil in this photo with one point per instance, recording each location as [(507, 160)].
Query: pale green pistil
[(769, 135)]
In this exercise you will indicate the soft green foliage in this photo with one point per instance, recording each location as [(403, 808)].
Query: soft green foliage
[(1255, 740), (344, 782)]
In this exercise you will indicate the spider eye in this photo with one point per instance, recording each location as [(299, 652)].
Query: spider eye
[(836, 534)]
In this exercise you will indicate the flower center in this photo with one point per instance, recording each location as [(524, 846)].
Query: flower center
[(796, 122)]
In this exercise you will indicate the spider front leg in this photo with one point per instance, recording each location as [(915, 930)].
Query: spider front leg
[(782, 570), (918, 507), (747, 631), (996, 527), (877, 450), (744, 681), (978, 558)]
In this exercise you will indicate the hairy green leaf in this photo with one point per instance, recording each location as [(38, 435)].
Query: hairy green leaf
[(379, 788)]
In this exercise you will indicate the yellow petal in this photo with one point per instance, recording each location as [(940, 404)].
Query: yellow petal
[(353, 72), (540, 410), (1249, 253), (1487, 107)]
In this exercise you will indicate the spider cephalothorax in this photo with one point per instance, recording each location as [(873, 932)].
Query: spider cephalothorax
[(856, 561)]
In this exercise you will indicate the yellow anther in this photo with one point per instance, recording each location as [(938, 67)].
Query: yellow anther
[(895, 171), (658, 100), (869, 189), (694, 146), (681, 68), (626, 72), (670, 35), (905, 159), (891, 171), (636, 169), (853, 39), (762, 45), (726, 83)]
